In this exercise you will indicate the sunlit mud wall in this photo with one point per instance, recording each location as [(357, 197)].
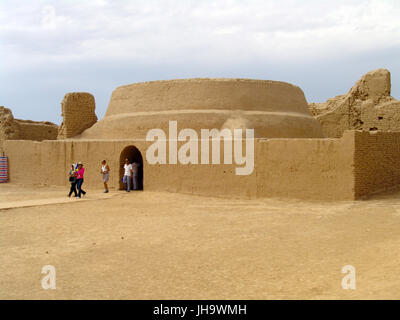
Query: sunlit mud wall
[(377, 162), (306, 168), (303, 168), (348, 168)]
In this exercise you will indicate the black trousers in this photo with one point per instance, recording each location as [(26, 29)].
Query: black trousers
[(73, 189)]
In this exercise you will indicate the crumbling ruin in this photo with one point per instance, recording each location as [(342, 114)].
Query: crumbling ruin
[(16, 129), (78, 111), (368, 106)]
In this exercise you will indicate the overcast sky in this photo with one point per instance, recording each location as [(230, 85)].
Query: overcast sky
[(49, 48)]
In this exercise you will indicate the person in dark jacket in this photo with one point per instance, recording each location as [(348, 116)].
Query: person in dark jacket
[(72, 180)]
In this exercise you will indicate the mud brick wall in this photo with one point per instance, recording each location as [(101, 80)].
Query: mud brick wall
[(358, 164), (318, 169), (15, 129), (78, 112), (376, 161), (37, 131), (284, 168)]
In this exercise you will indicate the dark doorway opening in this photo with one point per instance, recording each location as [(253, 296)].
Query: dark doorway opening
[(134, 155)]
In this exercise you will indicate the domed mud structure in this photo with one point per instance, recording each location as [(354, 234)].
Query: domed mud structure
[(274, 109)]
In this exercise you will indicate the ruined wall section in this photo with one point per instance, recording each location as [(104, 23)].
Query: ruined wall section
[(78, 112), (16, 129), (8, 128), (377, 158), (37, 131), (367, 106)]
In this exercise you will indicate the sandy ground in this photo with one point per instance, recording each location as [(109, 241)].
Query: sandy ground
[(147, 245)]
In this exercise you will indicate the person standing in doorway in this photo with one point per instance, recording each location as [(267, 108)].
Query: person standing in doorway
[(126, 180), (79, 179), (105, 171), (72, 180), (135, 171)]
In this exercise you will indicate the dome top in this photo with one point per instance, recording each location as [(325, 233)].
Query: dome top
[(206, 93), (271, 108)]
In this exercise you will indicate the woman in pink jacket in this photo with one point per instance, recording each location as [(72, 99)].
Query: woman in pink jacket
[(79, 179)]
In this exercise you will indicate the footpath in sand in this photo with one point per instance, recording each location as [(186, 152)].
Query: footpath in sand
[(48, 201), (151, 245)]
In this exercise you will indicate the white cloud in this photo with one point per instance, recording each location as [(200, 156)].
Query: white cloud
[(150, 32), (48, 47), (49, 17)]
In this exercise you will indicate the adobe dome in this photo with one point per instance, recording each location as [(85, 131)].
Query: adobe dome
[(274, 109)]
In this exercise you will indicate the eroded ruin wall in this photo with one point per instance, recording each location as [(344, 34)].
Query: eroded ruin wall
[(8, 128), (15, 129), (78, 112), (367, 106), (38, 131)]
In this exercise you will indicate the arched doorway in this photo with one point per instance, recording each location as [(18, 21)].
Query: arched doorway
[(134, 155)]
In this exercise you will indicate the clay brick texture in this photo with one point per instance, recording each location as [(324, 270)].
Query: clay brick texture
[(376, 162), (78, 111)]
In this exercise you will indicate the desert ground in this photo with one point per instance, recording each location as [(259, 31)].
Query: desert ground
[(149, 245)]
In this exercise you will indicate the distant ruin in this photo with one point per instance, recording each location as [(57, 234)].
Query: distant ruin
[(16, 129), (368, 106)]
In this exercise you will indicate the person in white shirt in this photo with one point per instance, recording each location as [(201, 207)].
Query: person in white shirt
[(127, 175)]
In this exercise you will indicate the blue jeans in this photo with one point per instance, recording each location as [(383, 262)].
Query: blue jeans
[(126, 180), (135, 182), (79, 186)]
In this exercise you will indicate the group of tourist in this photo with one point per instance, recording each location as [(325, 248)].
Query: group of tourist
[(77, 172), (131, 174), (76, 179)]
